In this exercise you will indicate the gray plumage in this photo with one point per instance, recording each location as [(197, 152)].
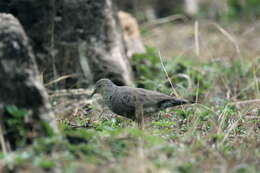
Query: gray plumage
[(123, 100)]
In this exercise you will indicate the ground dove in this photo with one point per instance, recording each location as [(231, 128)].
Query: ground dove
[(124, 100)]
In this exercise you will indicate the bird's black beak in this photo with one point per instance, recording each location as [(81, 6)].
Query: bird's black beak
[(93, 93)]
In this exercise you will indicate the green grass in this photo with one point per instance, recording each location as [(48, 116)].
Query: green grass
[(216, 135)]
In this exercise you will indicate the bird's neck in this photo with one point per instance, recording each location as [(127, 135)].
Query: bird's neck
[(108, 93)]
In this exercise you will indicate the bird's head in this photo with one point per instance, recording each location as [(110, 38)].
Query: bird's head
[(102, 86)]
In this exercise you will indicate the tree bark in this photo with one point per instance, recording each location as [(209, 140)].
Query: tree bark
[(19, 84), (95, 28), (80, 38)]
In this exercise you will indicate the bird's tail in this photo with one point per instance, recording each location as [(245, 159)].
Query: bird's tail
[(173, 102)]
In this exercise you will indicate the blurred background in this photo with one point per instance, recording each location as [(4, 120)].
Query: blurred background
[(151, 9), (223, 24)]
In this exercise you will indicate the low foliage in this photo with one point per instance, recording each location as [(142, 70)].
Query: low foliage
[(249, 8)]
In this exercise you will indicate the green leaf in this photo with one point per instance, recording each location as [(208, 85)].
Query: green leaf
[(16, 112)]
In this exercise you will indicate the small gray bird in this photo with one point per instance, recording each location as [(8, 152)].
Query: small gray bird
[(124, 100)]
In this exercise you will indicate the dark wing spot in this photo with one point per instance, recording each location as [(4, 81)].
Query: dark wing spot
[(165, 104)]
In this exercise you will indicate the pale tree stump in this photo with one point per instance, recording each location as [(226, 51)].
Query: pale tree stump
[(132, 36)]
